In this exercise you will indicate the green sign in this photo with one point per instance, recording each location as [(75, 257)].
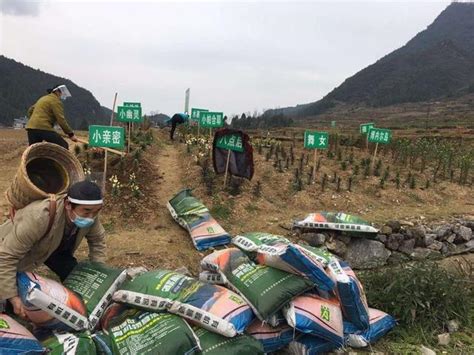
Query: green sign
[(129, 114), (231, 142), (380, 135), (212, 119), (132, 104), (365, 128), (196, 113), (316, 140), (107, 136)]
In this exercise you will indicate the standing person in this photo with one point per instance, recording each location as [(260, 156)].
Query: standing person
[(49, 231), (177, 118), (45, 113)]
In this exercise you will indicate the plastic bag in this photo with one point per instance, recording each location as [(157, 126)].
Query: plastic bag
[(306, 344), (271, 338), (70, 344), (215, 344), (16, 339)]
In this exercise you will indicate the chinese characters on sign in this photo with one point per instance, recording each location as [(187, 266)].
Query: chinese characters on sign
[(380, 135), (132, 104), (316, 140), (129, 114), (365, 128), (106, 136), (231, 142), (196, 113), (212, 119)]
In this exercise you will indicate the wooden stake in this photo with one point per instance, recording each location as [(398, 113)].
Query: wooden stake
[(367, 141), (226, 168), (129, 137), (104, 176), (375, 154), (314, 165)]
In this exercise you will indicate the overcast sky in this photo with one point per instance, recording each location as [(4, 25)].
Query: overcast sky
[(235, 56)]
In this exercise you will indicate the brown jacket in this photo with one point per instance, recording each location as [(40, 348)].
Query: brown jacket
[(46, 112), (23, 245)]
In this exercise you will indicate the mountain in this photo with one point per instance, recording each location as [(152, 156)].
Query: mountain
[(21, 86), (437, 63), (158, 119)]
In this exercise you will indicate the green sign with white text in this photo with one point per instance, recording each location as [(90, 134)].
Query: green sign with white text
[(107, 136), (365, 128), (231, 142), (129, 114), (212, 119), (316, 140), (196, 113), (380, 135)]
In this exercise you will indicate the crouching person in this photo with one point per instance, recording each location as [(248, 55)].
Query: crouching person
[(49, 232)]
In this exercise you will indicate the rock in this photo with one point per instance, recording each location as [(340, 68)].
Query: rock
[(429, 239), (443, 339), (314, 239), (451, 238), (464, 234), (423, 253), (386, 230), (443, 231), (336, 246), (469, 224), (448, 248), (426, 351), (407, 223), (394, 225), (452, 326), (419, 234), (470, 244), (366, 254), (394, 241), (397, 258), (382, 238), (407, 246), (344, 238), (436, 245)]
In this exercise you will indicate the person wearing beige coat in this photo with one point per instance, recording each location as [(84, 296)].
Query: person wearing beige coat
[(47, 232)]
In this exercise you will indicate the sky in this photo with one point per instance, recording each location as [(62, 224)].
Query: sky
[(235, 56)]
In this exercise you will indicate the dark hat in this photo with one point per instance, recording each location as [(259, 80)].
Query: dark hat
[(85, 193)]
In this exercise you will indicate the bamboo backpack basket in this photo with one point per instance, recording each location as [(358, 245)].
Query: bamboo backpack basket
[(46, 169)]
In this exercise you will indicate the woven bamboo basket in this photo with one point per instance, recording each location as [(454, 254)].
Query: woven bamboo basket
[(45, 169)]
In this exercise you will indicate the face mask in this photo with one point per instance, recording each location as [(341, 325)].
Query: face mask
[(83, 222)]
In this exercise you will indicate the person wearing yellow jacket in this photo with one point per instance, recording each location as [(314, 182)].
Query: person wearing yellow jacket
[(49, 232), (45, 113)]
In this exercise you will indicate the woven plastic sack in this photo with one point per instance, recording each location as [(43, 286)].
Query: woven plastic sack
[(338, 221), (280, 253), (216, 344), (211, 277), (16, 339), (266, 289), (306, 344), (350, 293), (70, 344), (50, 305), (380, 324), (95, 283), (210, 306), (193, 216), (138, 332), (314, 315), (271, 338)]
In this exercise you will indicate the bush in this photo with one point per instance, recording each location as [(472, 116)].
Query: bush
[(421, 294)]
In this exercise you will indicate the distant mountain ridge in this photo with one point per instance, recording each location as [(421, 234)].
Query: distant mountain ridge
[(21, 86), (437, 63)]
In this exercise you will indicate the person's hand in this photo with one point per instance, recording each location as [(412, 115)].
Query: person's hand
[(74, 138), (18, 307)]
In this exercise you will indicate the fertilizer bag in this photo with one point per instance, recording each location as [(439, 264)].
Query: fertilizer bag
[(314, 315), (266, 289), (211, 277), (138, 332), (350, 293), (49, 304), (306, 344), (380, 324), (16, 339), (193, 216), (210, 306), (271, 338), (95, 283), (280, 253), (60, 343), (216, 344)]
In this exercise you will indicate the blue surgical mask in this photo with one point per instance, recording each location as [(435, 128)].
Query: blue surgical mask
[(83, 222)]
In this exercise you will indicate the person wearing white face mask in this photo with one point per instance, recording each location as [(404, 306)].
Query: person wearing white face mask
[(45, 113), (49, 231)]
